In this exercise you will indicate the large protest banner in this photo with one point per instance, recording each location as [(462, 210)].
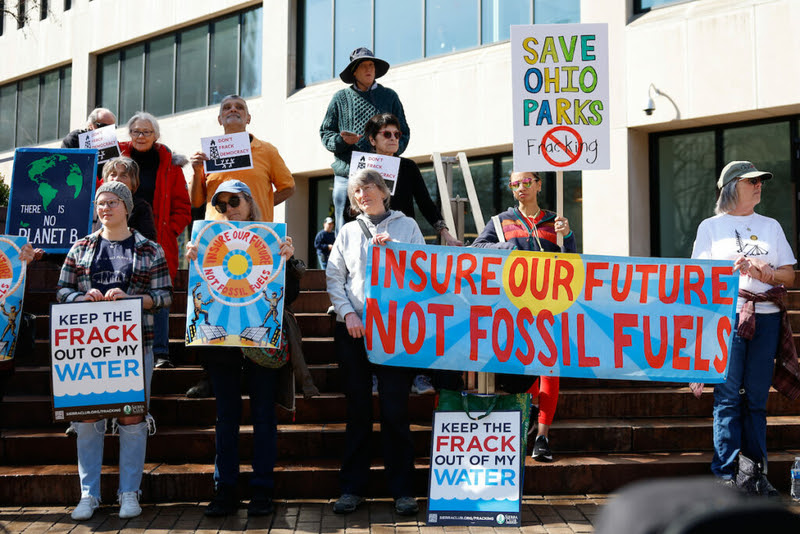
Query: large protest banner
[(236, 285), (476, 469), (97, 359), (12, 291), (560, 97), (541, 313), (52, 191)]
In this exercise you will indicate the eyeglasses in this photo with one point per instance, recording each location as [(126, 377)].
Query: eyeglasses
[(233, 202), (388, 135), (522, 183), (112, 204), (141, 133), (752, 181), (98, 124)]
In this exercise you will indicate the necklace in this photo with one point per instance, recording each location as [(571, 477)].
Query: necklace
[(748, 231)]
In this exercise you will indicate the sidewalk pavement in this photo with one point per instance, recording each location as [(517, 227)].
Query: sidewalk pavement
[(552, 514)]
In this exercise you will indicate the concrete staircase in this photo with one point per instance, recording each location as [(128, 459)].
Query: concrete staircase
[(606, 434)]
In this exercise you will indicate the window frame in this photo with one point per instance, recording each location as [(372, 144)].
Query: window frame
[(101, 99)]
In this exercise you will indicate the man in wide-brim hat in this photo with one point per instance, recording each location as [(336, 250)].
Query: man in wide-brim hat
[(342, 129)]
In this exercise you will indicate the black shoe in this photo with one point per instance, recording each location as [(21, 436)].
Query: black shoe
[(541, 450), (347, 503), (406, 506), (200, 390), (260, 503), (163, 362), (224, 502)]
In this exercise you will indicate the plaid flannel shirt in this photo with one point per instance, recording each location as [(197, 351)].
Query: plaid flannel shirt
[(786, 378), (150, 276)]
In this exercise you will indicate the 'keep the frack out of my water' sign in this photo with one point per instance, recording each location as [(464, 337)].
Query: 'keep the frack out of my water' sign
[(475, 475)]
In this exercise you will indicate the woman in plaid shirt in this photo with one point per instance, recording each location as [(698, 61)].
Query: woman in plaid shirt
[(114, 263)]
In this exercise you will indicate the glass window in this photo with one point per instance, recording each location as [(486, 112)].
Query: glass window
[(130, 94), (317, 42), (686, 189), (403, 31), (498, 15), (768, 147), (450, 25), (398, 30), (108, 81), (175, 67), (192, 66), (688, 166), (640, 6), (159, 77), (48, 107), (560, 12), (251, 49), (352, 29), (224, 58), (27, 118), (8, 115), (64, 102), (35, 109)]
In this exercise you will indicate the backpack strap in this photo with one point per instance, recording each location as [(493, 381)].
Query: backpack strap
[(364, 229)]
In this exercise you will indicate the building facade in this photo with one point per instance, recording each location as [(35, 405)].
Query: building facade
[(720, 73)]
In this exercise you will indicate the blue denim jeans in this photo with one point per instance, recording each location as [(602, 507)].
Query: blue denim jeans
[(226, 377), (132, 445), (339, 200), (161, 333), (740, 403)]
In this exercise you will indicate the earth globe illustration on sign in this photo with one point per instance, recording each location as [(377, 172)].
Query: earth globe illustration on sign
[(55, 178)]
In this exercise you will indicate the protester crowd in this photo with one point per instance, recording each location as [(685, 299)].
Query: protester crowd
[(143, 204)]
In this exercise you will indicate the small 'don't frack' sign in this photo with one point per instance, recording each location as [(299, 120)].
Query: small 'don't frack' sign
[(475, 474), (387, 166), (229, 152)]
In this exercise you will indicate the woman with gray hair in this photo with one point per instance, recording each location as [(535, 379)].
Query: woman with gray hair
[(163, 186), (346, 272), (758, 249)]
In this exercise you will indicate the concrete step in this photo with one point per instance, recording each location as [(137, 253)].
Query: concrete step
[(569, 474), (314, 441)]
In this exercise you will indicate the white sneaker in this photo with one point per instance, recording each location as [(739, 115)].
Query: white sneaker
[(129, 504), (85, 509), (422, 385)]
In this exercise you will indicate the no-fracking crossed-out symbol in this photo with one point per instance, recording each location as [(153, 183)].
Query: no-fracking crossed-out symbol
[(550, 137)]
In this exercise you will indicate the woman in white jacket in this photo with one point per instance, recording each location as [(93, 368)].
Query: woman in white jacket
[(346, 271)]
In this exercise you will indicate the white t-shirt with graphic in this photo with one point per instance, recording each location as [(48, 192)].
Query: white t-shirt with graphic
[(726, 237)]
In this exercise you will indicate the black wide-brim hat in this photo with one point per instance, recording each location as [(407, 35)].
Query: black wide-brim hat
[(357, 56)]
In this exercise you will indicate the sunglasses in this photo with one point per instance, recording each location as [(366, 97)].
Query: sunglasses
[(98, 124), (752, 181), (233, 202), (388, 135), (522, 183)]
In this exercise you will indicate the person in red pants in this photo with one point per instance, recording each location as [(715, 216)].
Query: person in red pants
[(546, 388)]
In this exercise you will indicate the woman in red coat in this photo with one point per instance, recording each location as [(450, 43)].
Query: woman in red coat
[(163, 185)]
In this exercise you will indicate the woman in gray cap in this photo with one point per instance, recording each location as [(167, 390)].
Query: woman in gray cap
[(110, 264), (758, 249), (342, 129)]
